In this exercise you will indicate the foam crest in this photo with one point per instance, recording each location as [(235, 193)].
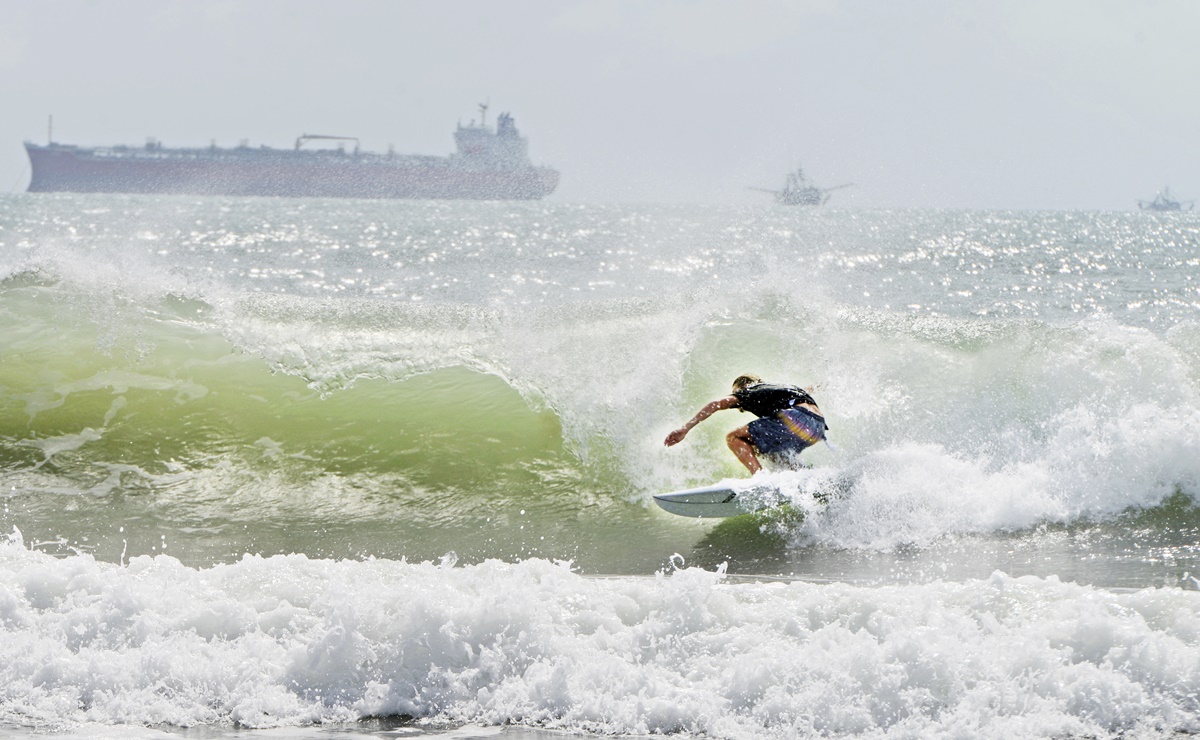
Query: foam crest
[(288, 640), (1094, 466)]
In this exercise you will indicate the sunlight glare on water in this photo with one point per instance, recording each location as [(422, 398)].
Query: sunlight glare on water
[(268, 463)]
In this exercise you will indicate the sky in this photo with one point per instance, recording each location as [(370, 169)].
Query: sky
[(964, 104)]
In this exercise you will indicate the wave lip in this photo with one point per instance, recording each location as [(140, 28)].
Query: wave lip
[(289, 640)]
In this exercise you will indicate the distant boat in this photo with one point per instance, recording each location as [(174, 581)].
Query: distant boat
[(798, 191), (1164, 202), (489, 164)]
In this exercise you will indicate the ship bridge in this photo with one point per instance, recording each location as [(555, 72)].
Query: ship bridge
[(503, 148)]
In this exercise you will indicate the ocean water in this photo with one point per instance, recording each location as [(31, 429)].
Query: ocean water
[(307, 468)]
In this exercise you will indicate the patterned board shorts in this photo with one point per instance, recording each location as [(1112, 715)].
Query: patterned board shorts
[(792, 430)]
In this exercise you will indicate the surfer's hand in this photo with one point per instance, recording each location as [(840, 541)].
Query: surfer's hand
[(676, 436)]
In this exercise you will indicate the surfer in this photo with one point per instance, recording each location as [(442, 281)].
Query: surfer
[(788, 422)]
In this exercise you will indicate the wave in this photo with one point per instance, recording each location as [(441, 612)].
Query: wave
[(290, 640), (221, 365), (947, 425), (269, 464)]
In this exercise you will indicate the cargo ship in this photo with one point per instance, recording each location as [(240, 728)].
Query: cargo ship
[(489, 164)]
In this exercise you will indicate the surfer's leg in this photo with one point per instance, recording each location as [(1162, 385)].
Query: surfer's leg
[(742, 445)]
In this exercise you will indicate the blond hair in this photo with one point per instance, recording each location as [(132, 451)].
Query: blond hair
[(745, 380)]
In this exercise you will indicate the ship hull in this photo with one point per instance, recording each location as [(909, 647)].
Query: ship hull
[(279, 173)]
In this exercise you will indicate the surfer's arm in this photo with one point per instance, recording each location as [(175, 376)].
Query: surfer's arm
[(709, 409)]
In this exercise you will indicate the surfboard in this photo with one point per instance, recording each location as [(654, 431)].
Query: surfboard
[(719, 500)]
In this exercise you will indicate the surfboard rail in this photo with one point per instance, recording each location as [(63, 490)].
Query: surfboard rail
[(719, 500)]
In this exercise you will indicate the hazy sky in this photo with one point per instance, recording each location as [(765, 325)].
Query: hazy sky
[(1044, 104)]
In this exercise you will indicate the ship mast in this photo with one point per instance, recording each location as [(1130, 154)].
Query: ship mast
[(50, 130)]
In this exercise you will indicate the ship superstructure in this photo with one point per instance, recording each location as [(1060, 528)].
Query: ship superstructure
[(489, 164)]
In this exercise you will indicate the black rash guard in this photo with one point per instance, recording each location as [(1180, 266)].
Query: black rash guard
[(765, 400)]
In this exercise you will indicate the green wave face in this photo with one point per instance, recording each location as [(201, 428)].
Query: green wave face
[(165, 423), (185, 396)]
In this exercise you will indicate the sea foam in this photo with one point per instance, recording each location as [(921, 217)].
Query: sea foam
[(289, 640)]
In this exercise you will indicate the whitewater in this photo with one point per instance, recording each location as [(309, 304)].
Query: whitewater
[(385, 469)]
